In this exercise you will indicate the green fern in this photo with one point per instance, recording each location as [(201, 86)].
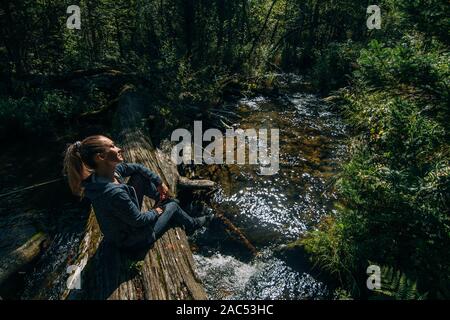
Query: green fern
[(397, 286)]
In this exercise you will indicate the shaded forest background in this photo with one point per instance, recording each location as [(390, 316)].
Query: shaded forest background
[(392, 86)]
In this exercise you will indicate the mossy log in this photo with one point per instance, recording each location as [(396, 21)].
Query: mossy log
[(164, 271)]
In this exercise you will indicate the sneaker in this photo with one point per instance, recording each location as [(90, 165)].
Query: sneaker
[(208, 211), (200, 222), (210, 216), (196, 209), (204, 220)]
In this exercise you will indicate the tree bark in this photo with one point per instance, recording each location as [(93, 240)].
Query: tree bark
[(195, 184), (257, 37), (21, 257), (164, 271), (189, 20)]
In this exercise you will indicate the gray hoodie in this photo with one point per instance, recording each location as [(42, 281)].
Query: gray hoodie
[(117, 208)]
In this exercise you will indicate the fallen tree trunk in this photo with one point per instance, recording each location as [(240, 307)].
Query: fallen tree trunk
[(165, 271), (21, 257), (195, 184)]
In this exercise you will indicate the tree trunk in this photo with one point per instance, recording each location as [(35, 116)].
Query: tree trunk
[(20, 257), (257, 37), (164, 271), (189, 19), (221, 17)]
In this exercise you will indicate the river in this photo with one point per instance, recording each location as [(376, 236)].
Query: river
[(273, 210)]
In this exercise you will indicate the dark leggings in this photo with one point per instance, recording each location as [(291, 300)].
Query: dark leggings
[(172, 216)]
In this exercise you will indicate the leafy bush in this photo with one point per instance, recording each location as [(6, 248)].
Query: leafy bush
[(394, 189), (409, 63), (334, 65), (428, 16), (40, 116)]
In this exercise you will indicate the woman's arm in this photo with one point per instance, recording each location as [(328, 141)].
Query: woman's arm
[(127, 211), (127, 169)]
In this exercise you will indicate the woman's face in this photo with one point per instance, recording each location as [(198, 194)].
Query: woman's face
[(113, 154)]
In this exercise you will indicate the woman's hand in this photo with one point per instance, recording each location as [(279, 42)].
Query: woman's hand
[(159, 211), (163, 192)]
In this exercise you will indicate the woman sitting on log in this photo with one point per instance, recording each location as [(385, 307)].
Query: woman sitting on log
[(95, 169)]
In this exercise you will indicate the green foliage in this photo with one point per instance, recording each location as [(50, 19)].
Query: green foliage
[(397, 286), (135, 266), (331, 250), (408, 63), (342, 294), (334, 65), (394, 191), (428, 16), (395, 187), (46, 113), (196, 86), (34, 117)]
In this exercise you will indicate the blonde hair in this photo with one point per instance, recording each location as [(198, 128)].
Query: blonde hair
[(79, 161)]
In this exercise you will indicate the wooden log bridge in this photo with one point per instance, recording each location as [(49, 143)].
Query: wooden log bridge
[(164, 271)]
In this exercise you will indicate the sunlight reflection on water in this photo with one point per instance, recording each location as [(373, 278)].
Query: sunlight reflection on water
[(273, 210)]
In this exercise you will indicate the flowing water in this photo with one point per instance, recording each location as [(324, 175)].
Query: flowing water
[(273, 210), (48, 209), (269, 210)]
